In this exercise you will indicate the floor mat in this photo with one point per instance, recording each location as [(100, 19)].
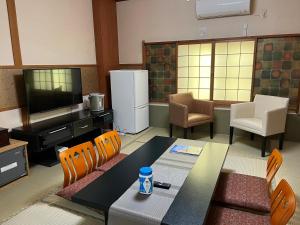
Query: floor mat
[(43, 214)]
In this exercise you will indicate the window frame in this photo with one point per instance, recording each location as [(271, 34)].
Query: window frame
[(219, 103)]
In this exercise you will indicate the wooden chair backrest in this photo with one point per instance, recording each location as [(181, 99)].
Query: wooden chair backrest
[(283, 204), (108, 145), (77, 162), (274, 163)]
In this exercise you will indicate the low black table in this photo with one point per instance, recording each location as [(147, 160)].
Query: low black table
[(190, 205)]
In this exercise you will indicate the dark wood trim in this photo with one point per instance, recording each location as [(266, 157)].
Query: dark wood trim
[(212, 71), (131, 66), (9, 67), (14, 32), (58, 66), (253, 70), (10, 108), (225, 39), (176, 55), (106, 41), (160, 42), (46, 66), (298, 105), (144, 54)]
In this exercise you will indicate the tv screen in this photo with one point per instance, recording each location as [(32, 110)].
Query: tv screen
[(48, 89)]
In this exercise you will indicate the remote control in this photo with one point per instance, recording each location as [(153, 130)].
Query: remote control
[(161, 185)]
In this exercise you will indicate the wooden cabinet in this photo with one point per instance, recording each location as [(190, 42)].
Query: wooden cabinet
[(106, 40)]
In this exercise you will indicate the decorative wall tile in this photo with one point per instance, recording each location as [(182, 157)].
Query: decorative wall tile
[(161, 64), (277, 70)]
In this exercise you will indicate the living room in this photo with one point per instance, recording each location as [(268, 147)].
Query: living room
[(220, 76)]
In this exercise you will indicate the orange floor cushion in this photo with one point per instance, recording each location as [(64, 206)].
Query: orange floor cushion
[(111, 163)]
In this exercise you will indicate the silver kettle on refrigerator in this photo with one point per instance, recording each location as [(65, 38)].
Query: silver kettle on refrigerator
[(96, 102)]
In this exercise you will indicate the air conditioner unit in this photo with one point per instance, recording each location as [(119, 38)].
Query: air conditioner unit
[(221, 8)]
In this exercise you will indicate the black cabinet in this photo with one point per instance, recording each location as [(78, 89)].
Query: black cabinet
[(44, 136), (83, 126), (13, 161)]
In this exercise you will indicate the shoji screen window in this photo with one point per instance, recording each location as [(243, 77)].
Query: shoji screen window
[(194, 69), (233, 70)]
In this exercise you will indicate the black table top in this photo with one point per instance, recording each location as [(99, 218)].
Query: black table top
[(106, 189), (192, 202)]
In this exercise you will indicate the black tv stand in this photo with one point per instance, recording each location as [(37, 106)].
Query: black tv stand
[(66, 130)]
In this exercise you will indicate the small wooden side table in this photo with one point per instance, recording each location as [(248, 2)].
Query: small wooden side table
[(13, 161)]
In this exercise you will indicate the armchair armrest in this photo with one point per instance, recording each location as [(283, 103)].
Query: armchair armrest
[(274, 121), (242, 110), (178, 114), (203, 107)]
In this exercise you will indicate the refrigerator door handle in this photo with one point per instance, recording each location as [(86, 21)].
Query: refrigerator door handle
[(142, 107)]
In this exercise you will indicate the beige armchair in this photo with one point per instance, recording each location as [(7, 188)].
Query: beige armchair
[(187, 112), (265, 116)]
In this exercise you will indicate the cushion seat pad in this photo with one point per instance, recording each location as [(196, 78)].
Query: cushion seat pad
[(243, 191), (112, 162), (197, 118), (225, 216), (72, 189)]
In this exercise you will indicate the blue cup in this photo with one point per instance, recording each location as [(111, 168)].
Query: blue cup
[(146, 180)]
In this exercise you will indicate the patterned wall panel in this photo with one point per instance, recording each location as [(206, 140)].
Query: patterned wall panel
[(278, 68), (161, 64)]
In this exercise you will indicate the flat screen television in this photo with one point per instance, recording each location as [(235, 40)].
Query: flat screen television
[(48, 89)]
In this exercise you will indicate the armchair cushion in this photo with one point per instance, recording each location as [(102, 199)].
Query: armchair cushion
[(196, 119), (253, 125)]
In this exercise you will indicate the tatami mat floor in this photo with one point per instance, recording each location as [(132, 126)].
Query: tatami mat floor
[(43, 180)]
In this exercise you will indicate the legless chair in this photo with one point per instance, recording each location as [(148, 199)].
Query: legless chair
[(243, 191), (108, 147), (283, 205), (77, 162)]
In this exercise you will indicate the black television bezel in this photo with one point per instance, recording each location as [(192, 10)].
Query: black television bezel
[(54, 108)]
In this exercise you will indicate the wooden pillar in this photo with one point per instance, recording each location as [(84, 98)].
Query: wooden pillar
[(106, 41)]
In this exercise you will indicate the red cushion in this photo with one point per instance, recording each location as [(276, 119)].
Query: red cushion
[(72, 189), (115, 160), (225, 216), (243, 191)]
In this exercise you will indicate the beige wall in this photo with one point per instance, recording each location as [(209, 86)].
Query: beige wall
[(56, 32), (6, 56), (164, 20)]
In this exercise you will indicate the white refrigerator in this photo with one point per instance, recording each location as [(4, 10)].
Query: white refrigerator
[(130, 100)]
